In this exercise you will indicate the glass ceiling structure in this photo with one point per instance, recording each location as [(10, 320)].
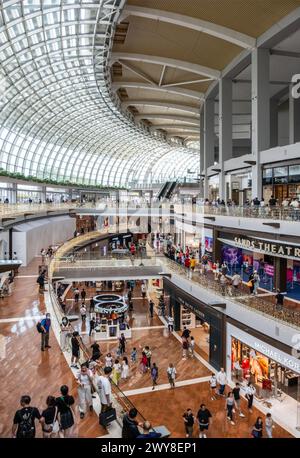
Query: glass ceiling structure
[(57, 117)]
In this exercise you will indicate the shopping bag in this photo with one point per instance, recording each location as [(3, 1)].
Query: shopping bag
[(105, 418)]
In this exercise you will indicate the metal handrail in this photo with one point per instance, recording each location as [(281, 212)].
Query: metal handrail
[(285, 315), (121, 398)]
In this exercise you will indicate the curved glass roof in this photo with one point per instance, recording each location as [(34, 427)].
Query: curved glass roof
[(56, 117)]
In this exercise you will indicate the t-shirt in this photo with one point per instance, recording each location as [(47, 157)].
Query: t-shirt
[(26, 415), (75, 344), (189, 419), (64, 402), (49, 414), (186, 333), (204, 416), (236, 393), (104, 388)]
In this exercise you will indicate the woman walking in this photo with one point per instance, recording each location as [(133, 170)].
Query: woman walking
[(65, 332), (250, 392), (116, 372), (84, 380), (154, 375), (48, 419), (229, 405), (171, 371), (189, 421), (125, 368), (257, 431), (66, 416)]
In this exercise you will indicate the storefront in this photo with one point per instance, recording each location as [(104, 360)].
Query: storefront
[(281, 182), (239, 186), (277, 263), (207, 324), (253, 357)]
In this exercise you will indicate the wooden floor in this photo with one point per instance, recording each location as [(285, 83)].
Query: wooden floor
[(25, 370), (169, 405)]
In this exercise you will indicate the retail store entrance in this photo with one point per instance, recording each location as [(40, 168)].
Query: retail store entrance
[(207, 325)]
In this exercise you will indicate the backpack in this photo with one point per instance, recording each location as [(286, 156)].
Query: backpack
[(26, 426), (39, 327)]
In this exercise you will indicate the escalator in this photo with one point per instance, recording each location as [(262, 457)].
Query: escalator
[(163, 190), (171, 189)]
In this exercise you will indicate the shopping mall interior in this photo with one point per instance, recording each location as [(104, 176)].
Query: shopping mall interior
[(150, 219)]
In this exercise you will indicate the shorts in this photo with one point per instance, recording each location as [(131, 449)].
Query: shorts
[(189, 430), (203, 427), (75, 353)]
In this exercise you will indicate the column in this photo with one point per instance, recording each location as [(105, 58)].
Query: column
[(43, 194), (260, 98), (280, 273), (13, 196), (273, 123), (209, 139), (225, 130), (294, 119), (201, 187)]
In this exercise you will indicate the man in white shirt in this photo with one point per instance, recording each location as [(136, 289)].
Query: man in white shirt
[(103, 385), (222, 380), (170, 324)]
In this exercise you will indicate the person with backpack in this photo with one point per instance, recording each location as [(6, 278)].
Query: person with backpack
[(65, 412), (44, 329), (24, 420), (41, 281)]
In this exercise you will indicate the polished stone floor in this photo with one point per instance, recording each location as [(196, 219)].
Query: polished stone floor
[(25, 370)]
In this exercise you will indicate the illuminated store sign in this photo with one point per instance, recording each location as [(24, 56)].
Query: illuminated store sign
[(265, 247), (275, 355)]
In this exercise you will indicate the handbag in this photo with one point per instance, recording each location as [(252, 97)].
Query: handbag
[(105, 418), (255, 434), (250, 284), (54, 426)]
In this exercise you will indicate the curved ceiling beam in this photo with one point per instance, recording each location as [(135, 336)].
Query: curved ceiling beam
[(162, 104), (168, 62), (170, 117), (178, 91), (176, 127), (210, 28)]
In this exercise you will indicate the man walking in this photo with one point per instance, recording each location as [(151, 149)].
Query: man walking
[(151, 307), (222, 380), (45, 328)]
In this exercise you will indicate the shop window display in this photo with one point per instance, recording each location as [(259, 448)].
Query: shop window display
[(270, 378), (293, 279), (245, 262)]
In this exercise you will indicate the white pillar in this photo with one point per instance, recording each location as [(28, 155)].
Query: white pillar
[(225, 130), (273, 123), (201, 182), (209, 139), (294, 119), (260, 77)]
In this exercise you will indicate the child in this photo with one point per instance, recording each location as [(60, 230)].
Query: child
[(133, 355), (108, 360), (143, 364), (192, 346)]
